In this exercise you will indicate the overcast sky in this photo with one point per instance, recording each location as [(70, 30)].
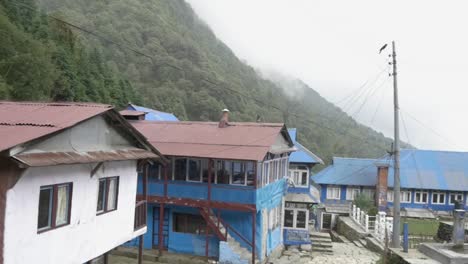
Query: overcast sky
[(333, 46)]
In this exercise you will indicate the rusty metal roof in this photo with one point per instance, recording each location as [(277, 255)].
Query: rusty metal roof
[(62, 158), (21, 122), (239, 141), (131, 113)]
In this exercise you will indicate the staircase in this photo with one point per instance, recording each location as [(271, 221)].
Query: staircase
[(220, 228), (321, 243)]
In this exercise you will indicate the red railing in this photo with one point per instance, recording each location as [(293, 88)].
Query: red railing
[(140, 215)]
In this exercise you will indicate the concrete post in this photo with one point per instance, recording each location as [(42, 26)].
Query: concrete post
[(358, 215), (405, 237), (367, 223), (458, 236)]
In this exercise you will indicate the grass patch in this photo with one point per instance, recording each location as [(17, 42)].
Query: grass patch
[(425, 227)]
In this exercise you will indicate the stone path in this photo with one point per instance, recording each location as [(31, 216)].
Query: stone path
[(346, 253)]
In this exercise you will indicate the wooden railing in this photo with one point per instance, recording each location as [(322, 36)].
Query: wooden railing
[(140, 215)]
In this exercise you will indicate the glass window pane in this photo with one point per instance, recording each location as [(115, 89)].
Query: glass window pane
[(304, 178), (301, 219), (45, 208), (180, 169), (224, 172), (101, 193), (154, 172), (238, 173), (288, 218), (112, 194), (63, 198), (250, 168), (194, 168)]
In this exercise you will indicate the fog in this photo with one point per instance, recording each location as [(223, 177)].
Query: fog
[(333, 47)]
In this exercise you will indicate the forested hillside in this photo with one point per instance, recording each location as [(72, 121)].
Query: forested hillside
[(180, 67)]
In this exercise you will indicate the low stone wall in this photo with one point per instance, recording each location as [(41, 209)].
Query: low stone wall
[(444, 233), (348, 228)]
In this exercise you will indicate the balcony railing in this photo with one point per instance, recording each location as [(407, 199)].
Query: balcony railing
[(140, 215)]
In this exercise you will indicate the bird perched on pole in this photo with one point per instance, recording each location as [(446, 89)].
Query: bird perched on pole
[(382, 48)]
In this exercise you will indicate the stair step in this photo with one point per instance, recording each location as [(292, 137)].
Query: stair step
[(322, 245), (358, 243), (328, 250), (319, 235), (320, 239)]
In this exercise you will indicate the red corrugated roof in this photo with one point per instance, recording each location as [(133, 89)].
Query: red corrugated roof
[(243, 141), (21, 122)]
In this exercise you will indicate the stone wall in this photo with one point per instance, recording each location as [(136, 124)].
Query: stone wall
[(348, 228), (444, 233)]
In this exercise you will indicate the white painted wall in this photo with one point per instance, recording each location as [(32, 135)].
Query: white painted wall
[(87, 236)]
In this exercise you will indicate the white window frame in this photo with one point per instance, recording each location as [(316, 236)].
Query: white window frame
[(403, 194), (293, 178), (295, 211), (421, 192), (350, 193), (438, 194), (329, 197), (454, 193)]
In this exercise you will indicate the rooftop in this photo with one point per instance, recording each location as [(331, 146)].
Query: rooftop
[(242, 141), (21, 122), (302, 155), (151, 114)]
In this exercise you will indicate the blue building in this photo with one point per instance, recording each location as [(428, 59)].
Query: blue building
[(221, 190), (431, 181), (301, 195)]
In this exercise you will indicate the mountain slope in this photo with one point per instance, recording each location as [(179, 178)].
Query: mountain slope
[(186, 70)]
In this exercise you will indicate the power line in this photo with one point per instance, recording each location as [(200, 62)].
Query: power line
[(411, 151)]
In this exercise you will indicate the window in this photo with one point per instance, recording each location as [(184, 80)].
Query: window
[(235, 172), (274, 218), (238, 173), (296, 215), (266, 171), (300, 177), (420, 197), (455, 197), (389, 195), (369, 193), (180, 169), (54, 206), (155, 172), (352, 193), (438, 198), (194, 172), (205, 164), (405, 196), (333, 193), (188, 223), (108, 191)]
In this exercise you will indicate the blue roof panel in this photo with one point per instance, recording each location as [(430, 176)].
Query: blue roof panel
[(153, 115), (302, 155)]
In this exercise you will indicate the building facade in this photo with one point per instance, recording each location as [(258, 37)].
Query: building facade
[(69, 182), (301, 195), (431, 182), (222, 191)]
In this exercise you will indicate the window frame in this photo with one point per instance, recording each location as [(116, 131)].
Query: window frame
[(329, 197), (350, 190), (185, 216), (295, 213), (299, 171), (454, 193), (422, 194), (107, 180), (53, 210), (438, 194), (402, 194)]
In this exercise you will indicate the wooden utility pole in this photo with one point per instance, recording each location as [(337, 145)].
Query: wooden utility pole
[(396, 157)]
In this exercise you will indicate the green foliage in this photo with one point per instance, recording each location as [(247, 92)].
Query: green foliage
[(188, 71), (365, 203)]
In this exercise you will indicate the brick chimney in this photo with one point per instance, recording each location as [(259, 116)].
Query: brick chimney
[(382, 186), (224, 122)]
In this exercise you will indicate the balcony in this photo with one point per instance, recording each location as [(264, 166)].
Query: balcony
[(140, 215)]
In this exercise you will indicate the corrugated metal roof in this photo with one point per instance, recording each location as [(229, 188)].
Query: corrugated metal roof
[(419, 169), (302, 155), (62, 158), (153, 115), (245, 141), (131, 113), (21, 122)]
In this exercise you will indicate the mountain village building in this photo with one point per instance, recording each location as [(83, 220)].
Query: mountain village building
[(431, 183), (68, 182)]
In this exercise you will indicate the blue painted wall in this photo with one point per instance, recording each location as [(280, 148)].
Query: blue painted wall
[(438, 207)]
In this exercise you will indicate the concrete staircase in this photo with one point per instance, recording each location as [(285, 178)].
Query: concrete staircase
[(242, 252), (321, 242)]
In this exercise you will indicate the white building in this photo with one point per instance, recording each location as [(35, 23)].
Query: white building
[(68, 182)]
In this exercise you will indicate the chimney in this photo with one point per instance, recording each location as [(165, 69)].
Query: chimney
[(382, 186), (224, 122)]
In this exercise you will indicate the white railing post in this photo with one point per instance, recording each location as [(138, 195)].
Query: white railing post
[(354, 211), (367, 223), (358, 215)]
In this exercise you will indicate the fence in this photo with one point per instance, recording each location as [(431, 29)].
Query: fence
[(375, 225)]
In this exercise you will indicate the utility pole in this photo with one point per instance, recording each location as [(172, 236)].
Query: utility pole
[(396, 157)]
